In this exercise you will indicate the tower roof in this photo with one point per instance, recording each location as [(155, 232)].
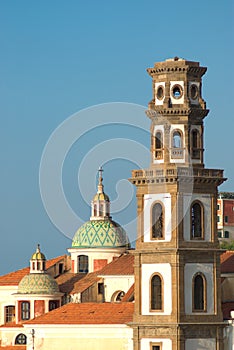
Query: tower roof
[(38, 255)]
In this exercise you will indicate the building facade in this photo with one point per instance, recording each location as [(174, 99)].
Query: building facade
[(225, 216)]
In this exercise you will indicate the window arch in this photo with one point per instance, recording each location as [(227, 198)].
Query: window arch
[(177, 139), (158, 140), (199, 292), (158, 145), (156, 292), (157, 217), (195, 138), (95, 210), (83, 263), (197, 215), (195, 144), (101, 209), (21, 339), (118, 296)]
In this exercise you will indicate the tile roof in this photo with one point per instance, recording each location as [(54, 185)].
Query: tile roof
[(227, 307), (67, 280), (120, 266), (129, 296), (12, 324), (86, 282), (14, 347), (13, 278), (88, 313), (53, 261), (227, 262)]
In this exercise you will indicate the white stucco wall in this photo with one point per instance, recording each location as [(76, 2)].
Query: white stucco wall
[(165, 199), (200, 344), (206, 201), (95, 254), (6, 298), (112, 284), (82, 337), (189, 271), (147, 271)]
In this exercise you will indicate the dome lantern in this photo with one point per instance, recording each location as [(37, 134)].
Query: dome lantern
[(98, 241), (38, 261), (101, 203)]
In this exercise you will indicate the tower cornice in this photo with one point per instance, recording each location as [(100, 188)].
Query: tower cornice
[(155, 114)]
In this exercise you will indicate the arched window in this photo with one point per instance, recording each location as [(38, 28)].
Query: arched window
[(195, 138), (177, 139), (118, 296), (156, 302), (197, 221), (101, 210), (158, 140), (83, 263), (25, 310), (21, 339), (199, 292), (95, 210), (158, 145), (157, 221), (195, 144)]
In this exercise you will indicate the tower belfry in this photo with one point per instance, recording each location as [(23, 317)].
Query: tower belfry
[(177, 256)]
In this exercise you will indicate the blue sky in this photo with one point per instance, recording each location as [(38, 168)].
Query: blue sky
[(58, 57)]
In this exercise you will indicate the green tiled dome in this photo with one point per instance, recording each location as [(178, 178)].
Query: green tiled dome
[(38, 283), (100, 234)]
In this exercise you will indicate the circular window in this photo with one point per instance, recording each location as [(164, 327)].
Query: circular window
[(193, 92), (21, 339), (177, 91), (160, 92)]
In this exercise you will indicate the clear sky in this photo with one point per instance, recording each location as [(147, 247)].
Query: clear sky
[(59, 57)]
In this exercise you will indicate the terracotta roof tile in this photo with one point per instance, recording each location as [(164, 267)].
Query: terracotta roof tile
[(53, 261), (12, 324), (13, 278), (129, 296), (67, 280), (227, 262), (14, 347), (88, 313), (120, 266), (86, 282), (227, 308)]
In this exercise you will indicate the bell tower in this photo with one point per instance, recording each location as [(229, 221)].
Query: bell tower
[(177, 256)]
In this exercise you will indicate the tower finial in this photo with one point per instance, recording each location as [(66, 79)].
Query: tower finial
[(100, 184), (38, 248)]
